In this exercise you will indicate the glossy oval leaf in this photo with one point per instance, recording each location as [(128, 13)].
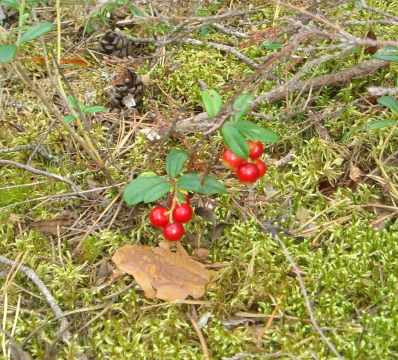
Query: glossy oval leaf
[(242, 102), (390, 102), (7, 52), (36, 31), (235, 141), (147, 174), (190, 182), (212, 102), (255, 132), (211, 186), (175, 161), (157, 191), (137, 189)]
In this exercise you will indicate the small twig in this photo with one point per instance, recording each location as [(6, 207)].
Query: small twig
[(230, 31), (37, 148), (260, 356), (271, 318), (46, 293), (43, 153), (225, 48), (303, 292), (79, 245), (44, 173), (200, 336)]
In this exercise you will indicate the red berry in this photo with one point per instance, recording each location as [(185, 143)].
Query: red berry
[(159, 216), (173, 231), (256, 149), (182, 213), (261, 166), (248, 173), (231, 161), (181, 201)]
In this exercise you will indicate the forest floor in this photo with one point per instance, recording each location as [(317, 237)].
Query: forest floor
[(304, 262)]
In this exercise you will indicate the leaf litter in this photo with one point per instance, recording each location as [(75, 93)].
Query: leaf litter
[(164, 274)]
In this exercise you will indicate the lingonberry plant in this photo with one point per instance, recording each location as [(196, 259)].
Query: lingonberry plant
[(149, 187), (244, 142), (243, 139)]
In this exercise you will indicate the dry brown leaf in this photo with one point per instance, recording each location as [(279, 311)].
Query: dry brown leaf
[(14, 217), (380, 220), (50, 226), (201, 254), (164, 274), (104, 271), (355, 173)]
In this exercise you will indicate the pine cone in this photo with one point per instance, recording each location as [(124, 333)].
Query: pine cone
[(115, 44), (127, 89)]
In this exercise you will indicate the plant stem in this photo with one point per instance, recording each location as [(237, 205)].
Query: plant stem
[(21, 20), (28, 82)]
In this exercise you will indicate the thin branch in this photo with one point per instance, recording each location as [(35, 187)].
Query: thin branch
[(46, 293), (43, 173), (303, 292)]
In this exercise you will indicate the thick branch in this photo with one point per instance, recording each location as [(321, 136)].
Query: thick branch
[(340, 78)]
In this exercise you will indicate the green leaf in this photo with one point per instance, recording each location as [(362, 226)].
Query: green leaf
[(157, 191), (255, 132), (269, 46), (378, 124), (242, 102), (205, 30), (11, 3), (147, 174), (390, 102), (212, 102), (211, 186), (93, 109), (137, 12), (175, 161), (235, 141), (190, 182), (370, 125), (36, 31), (7, 52), (20, 28), (72, 101), (387, 53), (69, 118), (145, 189)]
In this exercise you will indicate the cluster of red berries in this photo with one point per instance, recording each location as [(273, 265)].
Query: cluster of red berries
[(247, 170), (173, 230)]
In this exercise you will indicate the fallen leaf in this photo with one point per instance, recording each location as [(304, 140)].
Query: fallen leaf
[(50, 226), (14, 217), (104, 270), (380, 220), (371, 49), (218, 230), (206, 214), (355, 173), (164, 274), (201, 254)]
